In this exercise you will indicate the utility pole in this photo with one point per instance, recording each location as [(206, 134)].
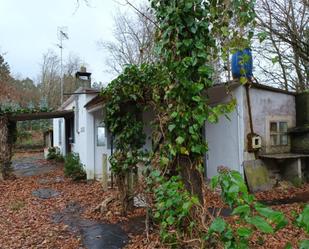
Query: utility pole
[(62, 34)]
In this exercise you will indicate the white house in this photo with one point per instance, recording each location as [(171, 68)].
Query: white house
[(85, 133), (232, 141)]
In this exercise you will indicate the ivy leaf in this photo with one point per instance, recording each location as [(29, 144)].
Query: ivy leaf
[(205, 70), (171, 127), (275, 59), (244, 232), (275, 216), (262, 36), (244, 209), (184, 151), (196, 98), (197, 148), (180, 140), (243, 80), (225, 31), (186, 206), (164, 161), (261, 224), (303, 219), (214, 182), (304, 244), (218, 225), (174, 114), (170, 220)]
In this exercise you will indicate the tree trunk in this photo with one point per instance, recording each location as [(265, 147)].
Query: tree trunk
[(6, 143), (192, 178), (125, 187)]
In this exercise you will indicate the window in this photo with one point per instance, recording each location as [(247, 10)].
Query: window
[(278, 133), (101, 136)]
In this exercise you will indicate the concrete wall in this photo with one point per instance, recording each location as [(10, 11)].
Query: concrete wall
[(225, 138), (82, 130), (59, 134), (267, 106)]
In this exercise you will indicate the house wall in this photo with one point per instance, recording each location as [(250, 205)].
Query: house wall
[(225, 137), (80, 144), (82, 122), (267, 106), (59, 134)]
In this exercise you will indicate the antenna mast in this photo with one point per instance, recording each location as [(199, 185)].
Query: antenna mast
[(62, 35)]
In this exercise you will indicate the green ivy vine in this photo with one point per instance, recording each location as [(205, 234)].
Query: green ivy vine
[(191, 35)]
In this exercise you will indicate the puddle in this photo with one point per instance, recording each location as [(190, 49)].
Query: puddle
[(95, 234), (31, 167), (45, 193)]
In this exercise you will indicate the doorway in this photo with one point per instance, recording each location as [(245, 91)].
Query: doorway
[(100, 144)]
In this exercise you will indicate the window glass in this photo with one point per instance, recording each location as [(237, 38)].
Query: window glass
[(101, 136), (273, 140), (278, 133), (283, 127), (283, 139), (273, 127)]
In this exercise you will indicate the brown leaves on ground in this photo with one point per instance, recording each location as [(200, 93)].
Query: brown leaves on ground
[(26, 221)]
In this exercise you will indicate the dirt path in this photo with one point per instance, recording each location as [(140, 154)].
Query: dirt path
[(43, 209)]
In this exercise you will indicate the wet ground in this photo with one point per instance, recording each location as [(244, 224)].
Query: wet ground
[(95, 234), (31, 164)]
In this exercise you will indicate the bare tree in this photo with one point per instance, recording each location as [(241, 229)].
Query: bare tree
[(133, 40), (283, 57), (49, 78)]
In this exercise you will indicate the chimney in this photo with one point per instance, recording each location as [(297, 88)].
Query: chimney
[(83, 78)]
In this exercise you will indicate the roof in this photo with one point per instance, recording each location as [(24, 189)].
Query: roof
[(236, 83), (41, 115), (98, 100), (80, 90)]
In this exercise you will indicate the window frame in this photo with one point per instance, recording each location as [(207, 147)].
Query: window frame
[(98, 143), (278, 133)]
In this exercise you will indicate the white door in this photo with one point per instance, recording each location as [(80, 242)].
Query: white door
[(100, 143)]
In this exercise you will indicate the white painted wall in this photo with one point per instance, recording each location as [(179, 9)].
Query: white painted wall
[(59, 139), (83, 145), (224, 138), (266, 106)]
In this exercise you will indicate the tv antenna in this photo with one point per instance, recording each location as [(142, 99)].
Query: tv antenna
[(62, 33)]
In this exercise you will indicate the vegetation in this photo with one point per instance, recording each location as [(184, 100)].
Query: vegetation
[(282, 47), (54, 154), (188, 38), (73, 168)]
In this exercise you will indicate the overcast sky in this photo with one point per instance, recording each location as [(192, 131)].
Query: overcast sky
[(28, 28)]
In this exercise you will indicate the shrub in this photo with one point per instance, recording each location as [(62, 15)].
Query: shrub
[(54, 154), (73, 168)]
